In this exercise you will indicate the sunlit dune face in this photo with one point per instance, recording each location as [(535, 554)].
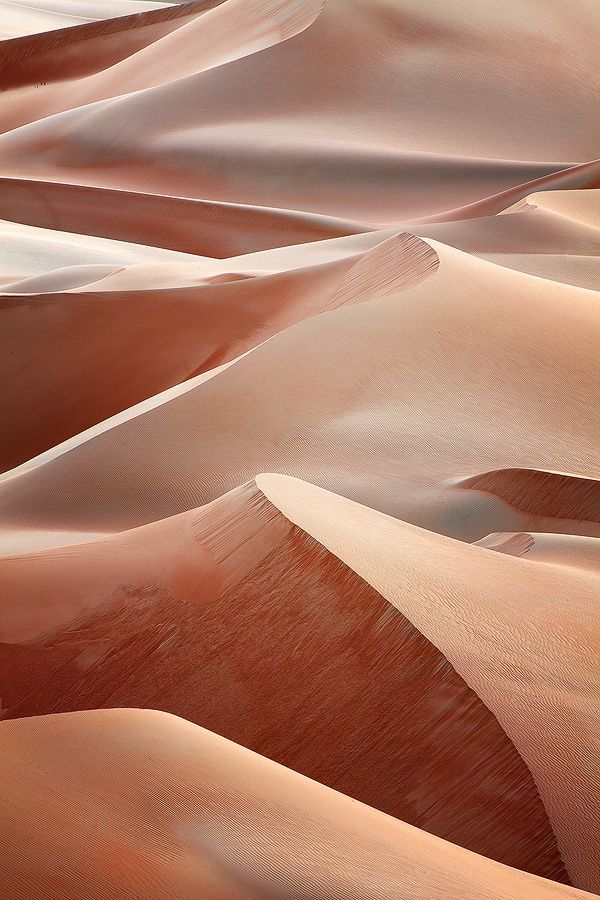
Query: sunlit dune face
[(227, 276), (213, 661), (299, 469), (175, 810)]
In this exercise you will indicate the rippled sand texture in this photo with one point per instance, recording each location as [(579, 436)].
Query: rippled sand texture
[(299, 453)]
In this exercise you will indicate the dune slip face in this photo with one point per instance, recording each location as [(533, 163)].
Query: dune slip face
[(299, 450)]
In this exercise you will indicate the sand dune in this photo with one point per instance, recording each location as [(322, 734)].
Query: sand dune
[(213, 149), (177, 223), (47, 56), (225, 30), (427, 413), (28, 17), (567, 549), (573, 205), (137, 580), (29, 252), (562, 549), (166, 601), (535, 239), (540, 650), (550, 494), (212, 317), (178, 811), (354, 244)]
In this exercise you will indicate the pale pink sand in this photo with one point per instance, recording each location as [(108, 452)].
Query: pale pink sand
[(356, 243)]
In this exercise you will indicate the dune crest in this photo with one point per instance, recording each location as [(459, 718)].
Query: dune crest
[(299, 450), (521, 676), (215, 614)]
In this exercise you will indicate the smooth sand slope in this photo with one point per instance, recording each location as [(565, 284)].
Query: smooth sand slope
[(230, 124), (532, 656), (562, 549), (212, 316), (167, 809), (234, 618), (469, 371), (354, 244)]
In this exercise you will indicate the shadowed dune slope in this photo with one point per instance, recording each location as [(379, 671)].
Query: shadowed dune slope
[(191, 226), (531, 653), (210, 318), (510, 500), (551, 494), (299, 444), (124, 28), (233, 618), (445, 378)]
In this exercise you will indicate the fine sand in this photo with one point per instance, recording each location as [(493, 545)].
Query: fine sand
[(299, 450), (139, 803)]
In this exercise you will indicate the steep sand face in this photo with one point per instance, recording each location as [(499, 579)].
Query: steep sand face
[(356, 243), (466, 372), (212, 316), (178, 223), (531, 653), (166, 809), (237, 620)]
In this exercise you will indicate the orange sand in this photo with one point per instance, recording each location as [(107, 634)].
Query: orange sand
[(354, 244)]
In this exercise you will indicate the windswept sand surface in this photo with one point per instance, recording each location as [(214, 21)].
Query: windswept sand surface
[(299, 453)]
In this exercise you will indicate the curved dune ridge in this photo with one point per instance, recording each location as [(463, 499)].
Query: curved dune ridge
[(433, 381), (173, 597), (564, 549), (226, 576), (231, 310), (299, 467)]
